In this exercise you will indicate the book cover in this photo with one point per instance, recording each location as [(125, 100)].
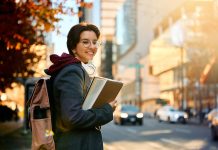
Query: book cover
[(101, 91)]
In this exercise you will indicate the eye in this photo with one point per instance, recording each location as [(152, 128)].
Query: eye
[(85, 42), (94, 42)]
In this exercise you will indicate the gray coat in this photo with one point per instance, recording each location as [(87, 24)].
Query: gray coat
[(77, 129)]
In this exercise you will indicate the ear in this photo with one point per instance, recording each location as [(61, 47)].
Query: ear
[(74, 51)]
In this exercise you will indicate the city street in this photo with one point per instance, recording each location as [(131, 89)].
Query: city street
[(158, 136), (153, 135), (165, 56)]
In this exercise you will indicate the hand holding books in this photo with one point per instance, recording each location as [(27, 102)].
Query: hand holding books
[(113, 104), (101, 91)]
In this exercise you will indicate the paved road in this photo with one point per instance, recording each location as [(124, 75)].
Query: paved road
[(158, 136), (151, 136)]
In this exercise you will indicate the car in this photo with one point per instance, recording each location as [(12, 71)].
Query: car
[(126, 113), (213, 124), (211, 114), (170, 114)]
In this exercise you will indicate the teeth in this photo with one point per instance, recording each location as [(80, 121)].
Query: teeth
[(90, 53)]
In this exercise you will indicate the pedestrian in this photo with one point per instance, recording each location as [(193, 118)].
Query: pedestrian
[(16, 112), (75, 128)]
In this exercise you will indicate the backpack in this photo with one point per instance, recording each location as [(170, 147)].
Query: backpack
[(40, 116)]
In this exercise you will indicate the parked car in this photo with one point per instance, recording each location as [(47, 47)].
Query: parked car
[(213, 124), (211, 114), (170, 114), (128, 114)]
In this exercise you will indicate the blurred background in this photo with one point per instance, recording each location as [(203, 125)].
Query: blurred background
[(164, 51)]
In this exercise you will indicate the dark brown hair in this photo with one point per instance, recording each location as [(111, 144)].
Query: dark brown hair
[(73, 36)]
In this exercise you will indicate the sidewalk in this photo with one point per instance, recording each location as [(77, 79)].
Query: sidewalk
[(12, 136), (196, 121)]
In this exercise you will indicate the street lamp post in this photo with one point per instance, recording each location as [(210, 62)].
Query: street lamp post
[(178, 35), (138, 84), (138, 81), (183, 102)]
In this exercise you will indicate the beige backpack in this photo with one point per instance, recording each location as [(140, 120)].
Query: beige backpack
[(40, 117)]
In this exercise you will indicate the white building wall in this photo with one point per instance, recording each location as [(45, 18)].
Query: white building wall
[(150, 88)]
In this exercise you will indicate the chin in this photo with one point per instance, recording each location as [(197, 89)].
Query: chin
[(86, 61), (90, 58)]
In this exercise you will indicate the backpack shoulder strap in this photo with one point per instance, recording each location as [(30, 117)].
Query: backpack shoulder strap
[(37, 87), (49, 83)]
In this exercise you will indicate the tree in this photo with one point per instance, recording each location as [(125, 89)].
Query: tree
[(201, 43), (22, 24)]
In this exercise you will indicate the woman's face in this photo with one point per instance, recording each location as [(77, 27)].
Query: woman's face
[(87, 47)]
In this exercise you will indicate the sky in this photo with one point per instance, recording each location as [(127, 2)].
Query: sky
[(65, 24)]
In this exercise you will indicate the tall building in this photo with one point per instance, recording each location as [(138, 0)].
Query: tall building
[(135, 28), (108, 11), (144, 41), (103, 13)]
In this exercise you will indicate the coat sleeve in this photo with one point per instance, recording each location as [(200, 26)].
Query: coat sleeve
[(69, 86)]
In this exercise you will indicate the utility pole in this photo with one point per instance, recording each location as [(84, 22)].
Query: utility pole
[(183, 81), (138, 82), (81, 12)]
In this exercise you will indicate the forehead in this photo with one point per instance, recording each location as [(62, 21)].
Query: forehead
[(90, 35)]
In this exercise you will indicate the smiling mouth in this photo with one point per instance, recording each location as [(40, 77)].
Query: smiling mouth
[(90, 53)]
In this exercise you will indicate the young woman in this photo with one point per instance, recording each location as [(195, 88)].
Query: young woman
[(77, 129)]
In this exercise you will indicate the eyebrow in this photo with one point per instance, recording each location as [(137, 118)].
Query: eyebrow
[(90, 40)]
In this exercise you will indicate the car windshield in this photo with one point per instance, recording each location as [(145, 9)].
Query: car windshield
[(130, 108), (172, 109)]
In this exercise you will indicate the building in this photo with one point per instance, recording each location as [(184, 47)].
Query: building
[(139, 40), (138, 20), (174, 51)]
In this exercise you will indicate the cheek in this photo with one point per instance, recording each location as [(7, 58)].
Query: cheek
[(95, 50), (80, 50)]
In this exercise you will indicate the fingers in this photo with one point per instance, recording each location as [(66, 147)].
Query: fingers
[(113, 104)]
